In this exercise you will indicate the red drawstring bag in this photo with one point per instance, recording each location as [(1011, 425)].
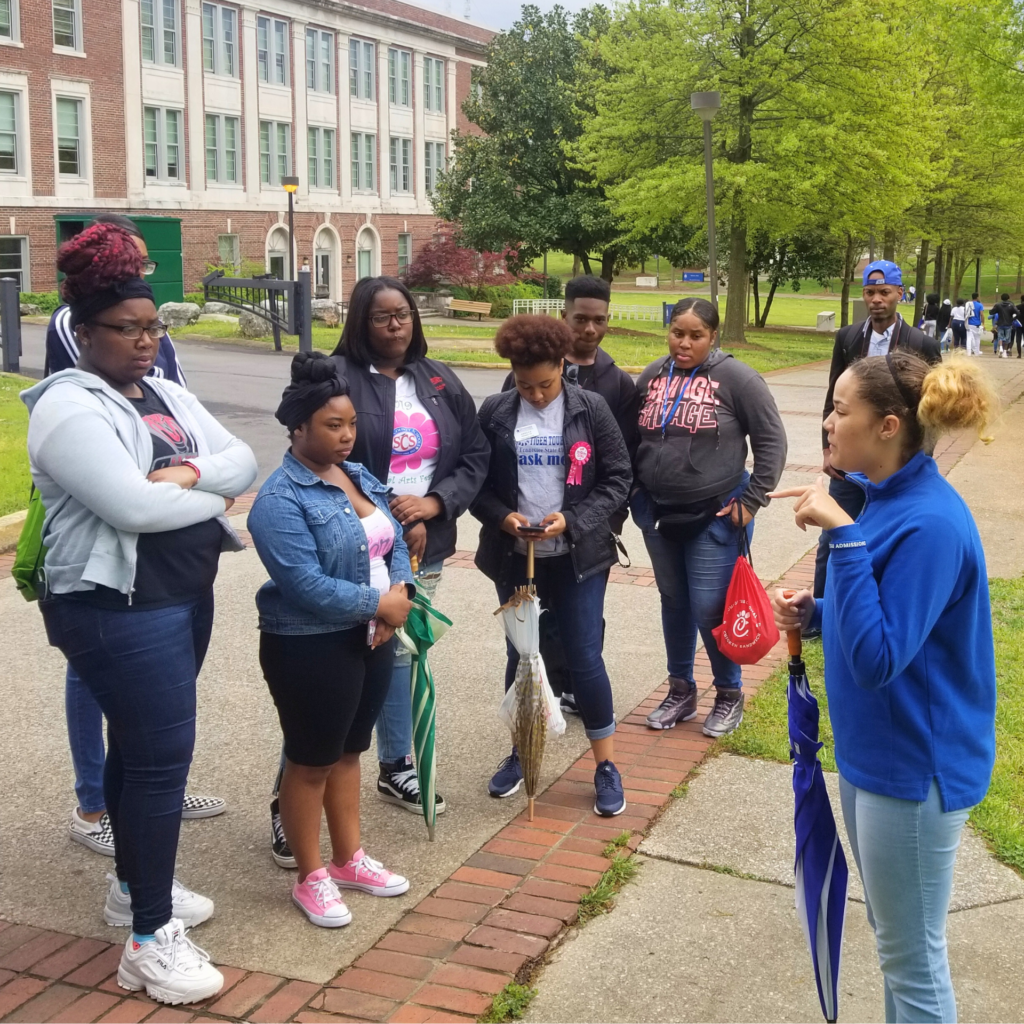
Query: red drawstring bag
[(748, 631)]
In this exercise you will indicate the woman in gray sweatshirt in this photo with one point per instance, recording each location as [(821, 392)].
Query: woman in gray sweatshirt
[(693, 495)]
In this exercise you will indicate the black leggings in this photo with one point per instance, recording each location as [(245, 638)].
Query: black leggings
[(328, 688)]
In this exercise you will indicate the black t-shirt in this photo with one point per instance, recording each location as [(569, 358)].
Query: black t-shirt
[(178, 565)]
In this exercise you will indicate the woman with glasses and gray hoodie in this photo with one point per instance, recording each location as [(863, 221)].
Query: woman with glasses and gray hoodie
[(699, 408), (135, 477)]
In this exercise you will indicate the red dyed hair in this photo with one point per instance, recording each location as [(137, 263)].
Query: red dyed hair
[(101, 256)]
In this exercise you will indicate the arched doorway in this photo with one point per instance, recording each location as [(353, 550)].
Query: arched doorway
[(326, 264), (367, 254), (277, 252)]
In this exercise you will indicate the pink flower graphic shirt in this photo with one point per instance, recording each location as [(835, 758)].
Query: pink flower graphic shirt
[(415, 444)]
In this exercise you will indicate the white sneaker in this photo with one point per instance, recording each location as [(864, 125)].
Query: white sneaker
[(171, 968), (97, 835), (187, 907)]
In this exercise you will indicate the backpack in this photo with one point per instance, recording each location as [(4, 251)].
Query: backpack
[(28, 569)]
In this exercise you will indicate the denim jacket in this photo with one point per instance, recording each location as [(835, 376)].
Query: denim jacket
[(312, 544)]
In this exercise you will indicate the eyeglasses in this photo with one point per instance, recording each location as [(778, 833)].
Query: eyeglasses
[(403, 316), (133, 332), (149, 267)]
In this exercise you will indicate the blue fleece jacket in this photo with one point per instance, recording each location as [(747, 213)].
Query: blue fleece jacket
[(907, 629)]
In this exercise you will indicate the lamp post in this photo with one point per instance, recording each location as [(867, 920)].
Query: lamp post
[(705, 105), (290, 184)]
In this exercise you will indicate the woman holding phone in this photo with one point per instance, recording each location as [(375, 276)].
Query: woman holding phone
[(558, 470), (909, 660)]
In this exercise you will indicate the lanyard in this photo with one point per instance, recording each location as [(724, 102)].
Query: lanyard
[(665, 415)]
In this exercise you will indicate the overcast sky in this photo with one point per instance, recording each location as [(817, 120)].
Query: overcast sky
[(494, 13)]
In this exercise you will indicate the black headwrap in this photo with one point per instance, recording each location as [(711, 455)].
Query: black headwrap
[(315, 382), (88, 306)]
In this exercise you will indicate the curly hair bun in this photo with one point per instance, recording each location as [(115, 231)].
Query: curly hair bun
[(313, 368), (100, 257), (530, 339), (957, 395)]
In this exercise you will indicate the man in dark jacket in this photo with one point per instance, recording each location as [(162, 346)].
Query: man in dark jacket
[(1004, 313), (883, 332)]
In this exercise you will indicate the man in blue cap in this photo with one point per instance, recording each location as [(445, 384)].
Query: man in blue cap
[(883, 332)]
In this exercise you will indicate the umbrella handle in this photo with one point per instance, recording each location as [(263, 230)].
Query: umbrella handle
[(529, 561), (793, 636), (414, 564)]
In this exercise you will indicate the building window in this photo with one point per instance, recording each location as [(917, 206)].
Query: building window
[(9, 21), (220, 40), (433, 84), (69, 137), (401, 165), (275, 151), (272, 50), (319, 60), (228, 251), (162, 143), (221, 148), (67, 30), (14, 260), (9, 132), (400, 77), (433, 164), (159, 31), (404, 253), (364, 161), (360, 70), (320, 151)]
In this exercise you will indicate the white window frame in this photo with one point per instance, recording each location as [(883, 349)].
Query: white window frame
[(435, 159), (400, 77), (400, 152), (322, 155), (162, 33), (236, 253), (80, 128), (433, 85), (364, 163), (75, 7), (273, 151), (319, 71), (221, 149), (405, 236), (26, 266), (272, 59), (163, 175), (362, 70), (14, 38), (224, 51), (17, 96)]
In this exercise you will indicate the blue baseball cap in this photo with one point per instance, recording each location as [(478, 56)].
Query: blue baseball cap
[(891, 274)]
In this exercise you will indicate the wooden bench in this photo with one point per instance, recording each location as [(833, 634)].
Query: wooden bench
[(481, 309)]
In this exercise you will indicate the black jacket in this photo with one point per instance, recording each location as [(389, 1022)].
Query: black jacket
[(852, 344), (462, 463), (1006, 311), (943, 317), (586, 506), (618, 389)]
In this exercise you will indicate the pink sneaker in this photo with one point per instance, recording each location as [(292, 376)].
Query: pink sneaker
[(318, 898), (367, 875)]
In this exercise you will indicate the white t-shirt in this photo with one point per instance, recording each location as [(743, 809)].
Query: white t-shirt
[(541, 452), (380, 539), (415, 444), (959, 313)]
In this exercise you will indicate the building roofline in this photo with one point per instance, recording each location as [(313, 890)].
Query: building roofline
[(440, 26)]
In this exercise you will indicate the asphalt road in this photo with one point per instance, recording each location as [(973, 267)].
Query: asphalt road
[(241, 386)]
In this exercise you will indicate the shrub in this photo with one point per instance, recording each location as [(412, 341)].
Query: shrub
[(197, 297), (500, 297), (46, 301)]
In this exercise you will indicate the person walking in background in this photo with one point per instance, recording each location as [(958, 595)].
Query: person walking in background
[(693, 496), (1005, 313), (135, 476), (1018, 326), (340, 584), (909, 660), (942, 328), (974, 312), (883, 332), (558, 463), (90, 823), (929, 323), (958, 325)]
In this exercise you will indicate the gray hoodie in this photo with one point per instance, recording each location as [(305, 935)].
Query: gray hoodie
[(90, 454)]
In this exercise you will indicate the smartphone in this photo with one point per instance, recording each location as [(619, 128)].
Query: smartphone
[(532, 531)]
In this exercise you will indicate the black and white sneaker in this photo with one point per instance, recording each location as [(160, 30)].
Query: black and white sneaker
[(397, 784), (567, 704), (727, 713), (97, 835), (279, 848), (202, 806)]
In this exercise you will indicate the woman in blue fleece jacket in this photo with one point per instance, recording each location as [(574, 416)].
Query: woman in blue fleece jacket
[(909, 659)]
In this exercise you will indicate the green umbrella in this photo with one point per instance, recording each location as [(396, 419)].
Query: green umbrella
[(423, 628)]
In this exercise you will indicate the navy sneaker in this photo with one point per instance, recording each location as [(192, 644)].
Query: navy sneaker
[(567, 704), (608, 786), (508, 778)]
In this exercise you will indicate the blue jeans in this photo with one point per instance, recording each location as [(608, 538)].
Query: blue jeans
[(85, 737), (141, 668), (905, 852), (579, 610), (394, 723)]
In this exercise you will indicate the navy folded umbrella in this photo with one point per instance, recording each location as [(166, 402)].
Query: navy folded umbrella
[(820, 865)]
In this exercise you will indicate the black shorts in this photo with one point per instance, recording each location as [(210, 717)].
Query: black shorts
[(328, 689)]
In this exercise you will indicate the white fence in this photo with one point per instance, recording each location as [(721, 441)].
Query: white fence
[(615, 311)]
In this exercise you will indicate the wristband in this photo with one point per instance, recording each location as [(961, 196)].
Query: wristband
[(194, 468)]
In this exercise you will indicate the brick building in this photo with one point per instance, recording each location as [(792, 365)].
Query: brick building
[(195, 110)]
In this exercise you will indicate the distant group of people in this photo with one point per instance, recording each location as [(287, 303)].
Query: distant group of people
[(958, 324), (385, 451)]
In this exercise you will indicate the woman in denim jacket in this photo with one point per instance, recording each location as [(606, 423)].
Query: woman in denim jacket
[(339, 587)]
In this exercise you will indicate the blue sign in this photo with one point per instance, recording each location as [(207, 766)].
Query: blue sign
[(693, 275), (666, 312)]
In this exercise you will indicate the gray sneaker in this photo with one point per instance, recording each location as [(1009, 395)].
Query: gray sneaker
[(726, 714), (679, 706)]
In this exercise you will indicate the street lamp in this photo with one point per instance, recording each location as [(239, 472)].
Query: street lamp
[(290, 183), (705, 105)]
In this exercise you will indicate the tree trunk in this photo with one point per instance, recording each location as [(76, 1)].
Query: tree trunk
[(608, 264), (962, 262), (1020, 267), (848, 264), (575, 264), (757, 299), (768, 304), (921, 281), (889, 245), (733, 327), (947, 274), (937, 278), (585, 258)]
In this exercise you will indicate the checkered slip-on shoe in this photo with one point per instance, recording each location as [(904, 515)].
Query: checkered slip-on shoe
[(202, 806)]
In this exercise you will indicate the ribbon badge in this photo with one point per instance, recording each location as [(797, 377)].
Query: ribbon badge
[(579, 456)]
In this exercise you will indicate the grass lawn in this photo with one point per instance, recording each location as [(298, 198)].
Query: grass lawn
[(1000, 817), (15, 482)]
